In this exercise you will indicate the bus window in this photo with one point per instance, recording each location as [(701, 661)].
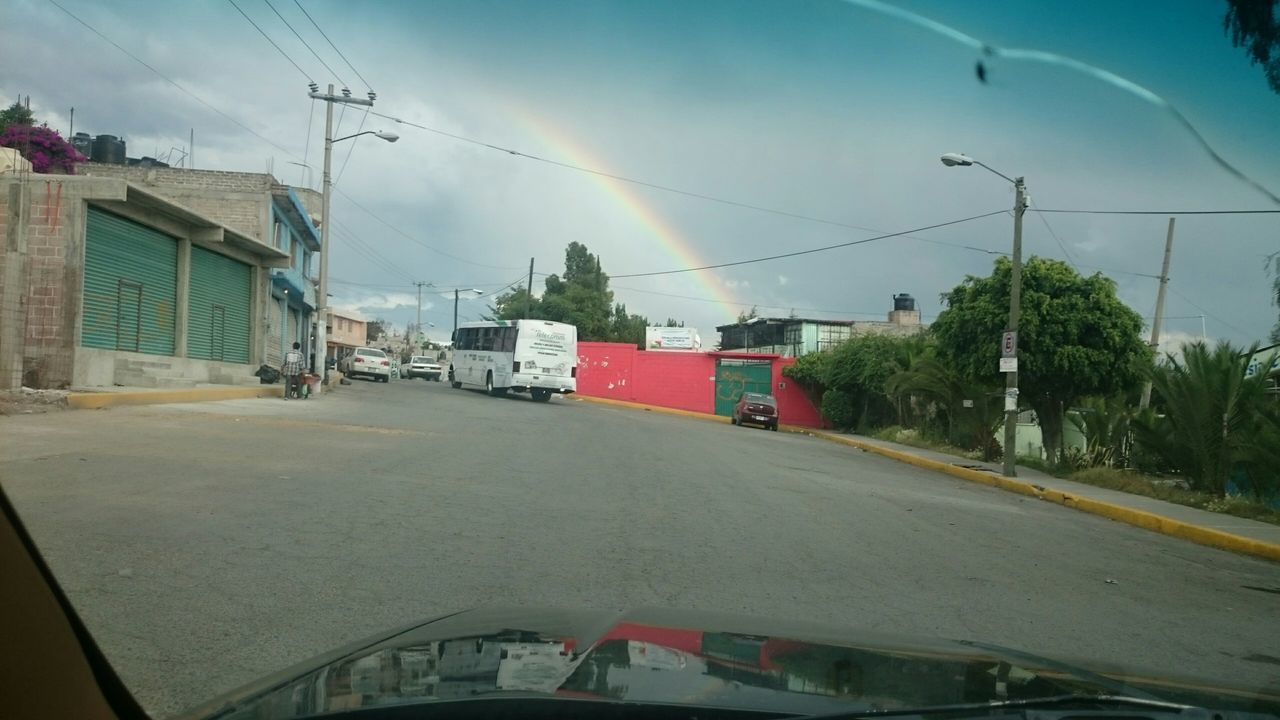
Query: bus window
[(508, 339), (486, 339)]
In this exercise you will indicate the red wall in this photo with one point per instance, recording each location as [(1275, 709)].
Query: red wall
[(674, 379)]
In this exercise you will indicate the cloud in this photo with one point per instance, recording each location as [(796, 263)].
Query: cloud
[(1172, 342), (737, 284), (783, 279), (375, 302)]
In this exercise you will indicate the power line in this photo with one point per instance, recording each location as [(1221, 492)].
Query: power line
[(413, 239), (172, 82), (304, 42), (1206, 312), (371, 253), (352, 147), (812, 250), (1159, 212), (316, 25), (1057, 239), (273, 42)]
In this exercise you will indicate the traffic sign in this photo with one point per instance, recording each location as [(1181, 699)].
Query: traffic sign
[(1008, 364), (1009, 345)]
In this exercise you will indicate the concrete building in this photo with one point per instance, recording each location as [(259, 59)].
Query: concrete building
[(793, 337), (259, 206), (106, 282), (347, 331)]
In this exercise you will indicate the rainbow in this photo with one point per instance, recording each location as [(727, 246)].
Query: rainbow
[(629, 199)]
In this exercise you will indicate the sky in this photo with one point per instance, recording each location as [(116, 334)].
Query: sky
[(825, 109)]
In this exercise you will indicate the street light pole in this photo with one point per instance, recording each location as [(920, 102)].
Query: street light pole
[(1015, 310), (1009, 349), (322, 299)]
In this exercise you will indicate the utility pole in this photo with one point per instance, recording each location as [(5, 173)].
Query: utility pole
[(528, 292), (322, 295), (1015, 307), (1155, 322), (454, 337), (417, 328)]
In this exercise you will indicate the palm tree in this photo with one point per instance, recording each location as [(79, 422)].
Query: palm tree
[(930, 379), (1215, 419)]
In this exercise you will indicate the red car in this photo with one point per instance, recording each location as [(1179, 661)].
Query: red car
[(756, 409)]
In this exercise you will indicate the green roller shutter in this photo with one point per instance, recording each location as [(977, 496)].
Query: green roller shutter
[(130, 286), (218, 311)]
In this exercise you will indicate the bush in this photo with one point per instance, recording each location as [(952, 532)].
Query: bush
[(838, 408), (42, 147)]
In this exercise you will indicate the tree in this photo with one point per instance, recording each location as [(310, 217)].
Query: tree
[(751, 314), (851, 380), (1075, 337), (971, 410), (1255, 25), (375, 330), (580, 297), (1216, 418), (16, 114), (43, 147), (1273, 267)]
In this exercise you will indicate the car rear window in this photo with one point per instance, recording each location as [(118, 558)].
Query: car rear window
[(418, 359), (367, 352), (758, 398)]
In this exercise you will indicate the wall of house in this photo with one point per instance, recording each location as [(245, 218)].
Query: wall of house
[(239, 200), (681, 380)]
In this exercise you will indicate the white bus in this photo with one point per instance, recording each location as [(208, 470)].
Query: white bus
[(539, 357)]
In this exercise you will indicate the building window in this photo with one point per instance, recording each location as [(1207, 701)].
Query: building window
[(306, 263), (295, 252), (277, 237)]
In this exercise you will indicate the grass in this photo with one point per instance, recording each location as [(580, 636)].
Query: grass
[(1123, 480), (1138, 484)]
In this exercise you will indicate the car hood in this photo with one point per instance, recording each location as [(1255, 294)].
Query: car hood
[(681, 657)]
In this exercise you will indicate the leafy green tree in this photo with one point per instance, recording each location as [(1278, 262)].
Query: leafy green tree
[(1255, 25), (375, 330), (16, 114), (1075, 338), (1215, 418), (580, 297), (751, 314), (971, 410)]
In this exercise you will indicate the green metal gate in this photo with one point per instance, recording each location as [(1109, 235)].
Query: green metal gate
[(734, 377), (218, 307), (130, 286)]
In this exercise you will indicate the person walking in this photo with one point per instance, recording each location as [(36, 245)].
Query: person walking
[(292, 371)]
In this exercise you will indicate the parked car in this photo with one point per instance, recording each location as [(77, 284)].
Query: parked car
[(369, 362), (756, 409), (421, 366)]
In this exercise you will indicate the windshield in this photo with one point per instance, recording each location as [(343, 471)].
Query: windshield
[(931, 320)]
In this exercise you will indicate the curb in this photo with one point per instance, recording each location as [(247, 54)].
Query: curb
[(99, 400), (1138, 518)]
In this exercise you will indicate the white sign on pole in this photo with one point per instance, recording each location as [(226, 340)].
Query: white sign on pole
[(665, 338), (1008, 364), (967, 403), (1011, 399)]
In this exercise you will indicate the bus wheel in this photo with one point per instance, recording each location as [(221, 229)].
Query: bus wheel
[(493, 391), (541, 394)]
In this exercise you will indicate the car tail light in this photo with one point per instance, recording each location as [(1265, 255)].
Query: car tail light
[(385, 363), (515, 366), (359, 359)]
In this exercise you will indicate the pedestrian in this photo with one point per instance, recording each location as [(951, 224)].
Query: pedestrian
[(292, 371)]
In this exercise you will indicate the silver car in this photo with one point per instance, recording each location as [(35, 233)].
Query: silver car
[(423, 367)]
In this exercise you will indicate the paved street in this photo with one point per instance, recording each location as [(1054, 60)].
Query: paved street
[(209, 544)]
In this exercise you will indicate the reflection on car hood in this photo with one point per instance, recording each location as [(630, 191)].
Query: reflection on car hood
[(681, 657)]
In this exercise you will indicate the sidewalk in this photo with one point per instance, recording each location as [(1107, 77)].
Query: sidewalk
[(118, 396), (1261, 538)]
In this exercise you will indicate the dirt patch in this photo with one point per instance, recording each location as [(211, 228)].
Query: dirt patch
[(28, 401)]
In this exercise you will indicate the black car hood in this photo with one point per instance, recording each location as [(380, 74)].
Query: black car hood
[(678, 657)]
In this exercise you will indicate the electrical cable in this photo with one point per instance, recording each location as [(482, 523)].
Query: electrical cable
[(316, 25), (415, 240), (304, 42), (812, 250), (173, 82), (273, 42), (352, 147), (1159, 212), (1193, 304)]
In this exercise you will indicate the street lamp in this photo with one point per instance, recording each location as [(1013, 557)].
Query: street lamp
[(454, 337), (322, 301), (1009, 347)]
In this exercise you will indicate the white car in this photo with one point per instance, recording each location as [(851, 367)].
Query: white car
[(371, 363), (423, 367)]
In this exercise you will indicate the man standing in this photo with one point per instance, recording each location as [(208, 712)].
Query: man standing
[(292, 371)]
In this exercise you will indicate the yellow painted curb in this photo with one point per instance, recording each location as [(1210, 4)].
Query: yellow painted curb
[(94, 401), (1138, 518)]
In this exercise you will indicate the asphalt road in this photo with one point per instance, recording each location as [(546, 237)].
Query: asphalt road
[(206, 545)]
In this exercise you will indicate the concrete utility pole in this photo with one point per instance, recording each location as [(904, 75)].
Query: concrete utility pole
[(1015, 312), (528, 294), (1156, 321), (417, 328), (322, 294)]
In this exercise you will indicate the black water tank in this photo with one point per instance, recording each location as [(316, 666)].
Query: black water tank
[(903, 301), (108, 149)]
